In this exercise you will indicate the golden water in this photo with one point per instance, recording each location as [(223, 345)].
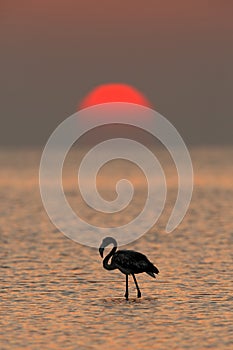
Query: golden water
[(56, 295)]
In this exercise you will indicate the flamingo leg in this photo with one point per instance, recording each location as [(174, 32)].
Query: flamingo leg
[(136, 284), (126, 288)]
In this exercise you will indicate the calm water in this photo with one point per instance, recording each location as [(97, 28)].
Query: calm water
[(56, 295)]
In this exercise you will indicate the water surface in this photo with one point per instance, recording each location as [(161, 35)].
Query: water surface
[(56, 295)]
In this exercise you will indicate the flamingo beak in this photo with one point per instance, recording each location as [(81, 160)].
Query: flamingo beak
[(101, 251)]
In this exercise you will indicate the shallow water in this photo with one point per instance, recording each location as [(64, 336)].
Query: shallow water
[(56, 295)]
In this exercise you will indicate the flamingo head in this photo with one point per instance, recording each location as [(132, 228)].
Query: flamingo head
[(106, 241)]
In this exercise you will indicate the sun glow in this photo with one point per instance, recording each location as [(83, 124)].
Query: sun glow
[(114, 93)]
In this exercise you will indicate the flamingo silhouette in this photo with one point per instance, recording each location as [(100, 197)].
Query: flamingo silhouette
[(128, 262)]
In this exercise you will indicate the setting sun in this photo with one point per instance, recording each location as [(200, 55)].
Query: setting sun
[(114, 93)]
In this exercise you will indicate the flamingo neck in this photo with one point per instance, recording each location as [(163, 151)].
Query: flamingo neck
[(106, 265)]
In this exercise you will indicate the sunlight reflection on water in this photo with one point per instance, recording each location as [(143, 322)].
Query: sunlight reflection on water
[(55, 293)]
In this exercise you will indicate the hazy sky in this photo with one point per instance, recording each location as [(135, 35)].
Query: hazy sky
[(178, 53)]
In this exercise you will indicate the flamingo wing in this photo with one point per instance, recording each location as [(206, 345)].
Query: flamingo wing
[(131, 262)]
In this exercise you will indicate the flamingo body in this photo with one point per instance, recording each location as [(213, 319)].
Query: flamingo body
[(128, 262)]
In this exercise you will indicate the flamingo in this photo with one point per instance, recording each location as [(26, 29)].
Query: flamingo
[(128, 262)]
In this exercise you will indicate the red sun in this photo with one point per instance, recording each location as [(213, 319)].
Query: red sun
[(114, 93)]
